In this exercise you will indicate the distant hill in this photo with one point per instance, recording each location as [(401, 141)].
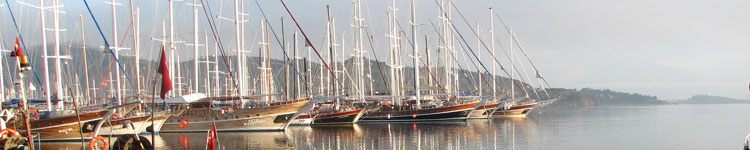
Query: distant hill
[(588, 97), (707, 99)]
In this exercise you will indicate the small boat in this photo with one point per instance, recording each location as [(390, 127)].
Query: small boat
[(520, 110)]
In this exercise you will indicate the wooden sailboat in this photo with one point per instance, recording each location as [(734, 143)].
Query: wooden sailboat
[(273, 117), (262, 114), (519, 110), (342, 110), (442, 107), (67, 126)]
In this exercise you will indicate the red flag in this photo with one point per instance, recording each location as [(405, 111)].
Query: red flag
[(166, 82), (212, 136), (18, 49)]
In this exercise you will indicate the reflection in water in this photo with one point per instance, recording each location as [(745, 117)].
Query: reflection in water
[(78, 145), (651, 127), (473, 134), (228, 140)]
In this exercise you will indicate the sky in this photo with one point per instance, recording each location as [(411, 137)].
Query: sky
[(672, 49)]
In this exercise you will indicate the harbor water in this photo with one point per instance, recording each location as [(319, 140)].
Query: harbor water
[(716, 126)]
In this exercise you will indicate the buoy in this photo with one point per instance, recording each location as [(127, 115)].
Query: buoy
[(94, 144)]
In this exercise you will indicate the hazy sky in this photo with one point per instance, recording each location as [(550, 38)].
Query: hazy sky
[(668, 48)]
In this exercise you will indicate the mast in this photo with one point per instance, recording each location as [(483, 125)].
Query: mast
[(195, 46), (446, 50), (85, 61), (479, 59), (393, 54), (136, 45), (330, 50), (494, 68), (208, 68), (47, 94), (512, 68), (216, 69), (240, 57), (269, 75), (58, 71), (287, 89), (172, 61), (360, 49), (263, 69), (296, 62), (415, 52)]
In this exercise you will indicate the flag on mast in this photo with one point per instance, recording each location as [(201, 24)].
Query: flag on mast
[(166, 82)]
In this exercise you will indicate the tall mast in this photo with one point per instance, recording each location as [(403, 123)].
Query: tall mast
[(333, 58), (172, 55), (58, 71), (85, 61), (287, 89), (296, 65), (446, 50), (263, 70), (479, 59), (512, 67), (136, 43), (216, 69), (47, 91), (269, 76), (415, 52), (240, 58), (393, 54), (360, 49), (208, 68), (494, 70), (330, 51), (195, 46)]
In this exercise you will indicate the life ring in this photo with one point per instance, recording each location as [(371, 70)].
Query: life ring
[(93, 146), (6, 132)]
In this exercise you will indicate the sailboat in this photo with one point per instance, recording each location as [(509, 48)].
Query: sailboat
[(438, 107), (342, 110), (263, 113), (60, 124)]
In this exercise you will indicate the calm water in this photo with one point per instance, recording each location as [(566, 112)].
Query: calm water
[(637, 127)]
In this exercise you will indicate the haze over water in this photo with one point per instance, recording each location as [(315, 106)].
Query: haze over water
[(714, 126)]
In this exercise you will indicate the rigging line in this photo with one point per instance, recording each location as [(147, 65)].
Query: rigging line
[(470, 28), (432, 76), (377, 61), (461, 68), (312, 46), (464, 40), (523, 50), (20, 38), (109, 69), (475, 66), (217, 39), (515, 39), (106, 44), (283, 48), (411, 43)]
